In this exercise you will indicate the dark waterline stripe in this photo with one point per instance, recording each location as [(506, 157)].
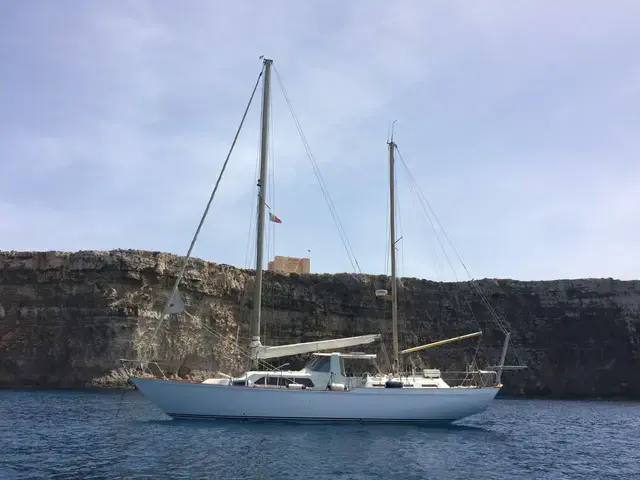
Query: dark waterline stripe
[(187, 416)]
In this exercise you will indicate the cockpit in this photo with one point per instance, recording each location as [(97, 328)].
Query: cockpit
[(348, 364)]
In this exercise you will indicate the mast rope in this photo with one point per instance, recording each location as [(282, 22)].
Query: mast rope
[(251, 250), (267, 281), (204, 216), (424, 202), (220, 337), (454, 295), (316, 171), (418, 202), (401, 270)]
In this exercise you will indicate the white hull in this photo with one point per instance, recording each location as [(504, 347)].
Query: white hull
[(182, 400)]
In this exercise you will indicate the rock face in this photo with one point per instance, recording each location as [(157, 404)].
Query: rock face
[(66, 320)]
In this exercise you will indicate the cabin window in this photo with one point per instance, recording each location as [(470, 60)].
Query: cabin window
[(271, 380), (277, 380), (320, 364), (267, 381), (304, 381)]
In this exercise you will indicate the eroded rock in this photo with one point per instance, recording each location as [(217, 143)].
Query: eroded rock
[(66, 320)]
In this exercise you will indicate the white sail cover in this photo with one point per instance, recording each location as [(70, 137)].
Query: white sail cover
[(264, 352)]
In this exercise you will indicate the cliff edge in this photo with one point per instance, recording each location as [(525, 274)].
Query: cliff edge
[(66, 320)]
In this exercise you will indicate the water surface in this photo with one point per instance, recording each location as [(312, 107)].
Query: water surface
[(88, 434)]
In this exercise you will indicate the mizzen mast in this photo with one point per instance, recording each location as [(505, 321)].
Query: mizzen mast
[(392, 242)]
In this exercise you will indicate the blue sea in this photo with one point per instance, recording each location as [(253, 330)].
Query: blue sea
[(104, 435)]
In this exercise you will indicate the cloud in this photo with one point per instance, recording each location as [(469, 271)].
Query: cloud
[(518, 121)]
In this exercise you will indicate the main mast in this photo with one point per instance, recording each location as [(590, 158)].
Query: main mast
[(262, 197), (392, 234)]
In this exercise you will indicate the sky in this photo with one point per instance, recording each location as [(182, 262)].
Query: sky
[(518, 121)]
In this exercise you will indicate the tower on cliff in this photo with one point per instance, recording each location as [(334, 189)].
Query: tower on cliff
[(290, 265)]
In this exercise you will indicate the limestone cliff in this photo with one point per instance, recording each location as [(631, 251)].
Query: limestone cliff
[(67, 318)]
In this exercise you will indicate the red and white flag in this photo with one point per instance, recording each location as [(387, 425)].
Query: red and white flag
[(273, 218)]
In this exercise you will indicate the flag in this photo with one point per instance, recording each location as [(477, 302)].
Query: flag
[(273, 218)]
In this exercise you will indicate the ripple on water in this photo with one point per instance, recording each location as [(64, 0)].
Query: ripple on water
[(76, 434)]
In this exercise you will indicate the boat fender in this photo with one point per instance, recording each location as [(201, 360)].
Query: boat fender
[(393, 384)]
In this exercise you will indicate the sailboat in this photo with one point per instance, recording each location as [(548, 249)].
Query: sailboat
[(324, 390)]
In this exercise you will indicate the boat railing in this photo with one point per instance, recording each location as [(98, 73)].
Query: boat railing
[(279, 380), (351, 383), (135, 366), (469, 378)]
